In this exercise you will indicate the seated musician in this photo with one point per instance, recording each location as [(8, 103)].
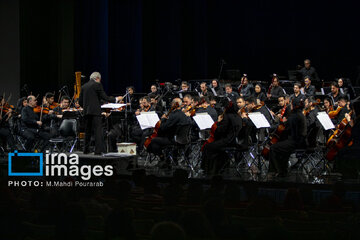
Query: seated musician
[(156, 105), (258, 93), (58, 112), (215, 88), (335, 93), (215, 105), (205, 91), (168, 128), (347, 158), (50, 99), (134, 102), (154, 90), (308, 70), (341, 110), (32, 126), (308, 89), (311, 110), (187, 101), (297, 93), (184, 86), (328, 106), (228, 127), (276, 89), (283, 109), (244, 133), (5, 134), (137, 134), (281, 151), (205, 107), (21, 103), (229, 93), (247, 88)]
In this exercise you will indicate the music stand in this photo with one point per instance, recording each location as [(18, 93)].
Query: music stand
[(260, 122)]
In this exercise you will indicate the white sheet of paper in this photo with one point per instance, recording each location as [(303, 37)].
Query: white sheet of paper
[(325, 120), (147, 119), (113, 105), (259, 120), (203, 120)]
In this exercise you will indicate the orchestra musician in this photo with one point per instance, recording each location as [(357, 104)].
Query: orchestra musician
[(206, 107), (229, 93), (205, 91), (258, 93), (297, 93), (308, 89), (283, 109), (247, 88), (335, 93), (296, 129), (184, 86), (308, 70), (215, 88), (276, 89), (31, 125), (328, 106), (311, 110), (58, 113), (153, 90), (5, 133), (229, 125), (168, 128), (347, 158), (91, 94), (341, 110), (50, 100)]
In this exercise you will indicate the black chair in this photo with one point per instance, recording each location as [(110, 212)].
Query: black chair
[(68, 136)]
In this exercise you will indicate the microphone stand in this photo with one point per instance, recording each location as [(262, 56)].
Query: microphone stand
[(125, 125)]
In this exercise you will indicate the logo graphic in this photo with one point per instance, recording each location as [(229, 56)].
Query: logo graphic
[(25, 164)]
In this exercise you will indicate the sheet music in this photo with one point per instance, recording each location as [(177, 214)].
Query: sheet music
[(147, 119), (203, 120), (325, 120), (113, 105), (259, 120)]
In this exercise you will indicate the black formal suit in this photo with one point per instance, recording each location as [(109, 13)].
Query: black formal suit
[(91, 95), (225, 135), (30, 129)]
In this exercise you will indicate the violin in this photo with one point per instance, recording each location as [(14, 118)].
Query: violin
[(53, 105), (333, 114), (39, 109)]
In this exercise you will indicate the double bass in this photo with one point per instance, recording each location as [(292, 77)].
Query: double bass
[(157, 126), (242, 82)]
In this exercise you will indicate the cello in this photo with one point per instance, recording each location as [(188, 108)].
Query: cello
[(339, 139), (157, 126)]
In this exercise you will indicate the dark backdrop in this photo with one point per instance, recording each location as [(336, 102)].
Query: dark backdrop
[(133, 42)]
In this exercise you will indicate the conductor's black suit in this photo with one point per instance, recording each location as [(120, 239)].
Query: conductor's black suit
[(91, 94)]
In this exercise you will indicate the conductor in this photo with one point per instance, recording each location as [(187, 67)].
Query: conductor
[(91, 94)]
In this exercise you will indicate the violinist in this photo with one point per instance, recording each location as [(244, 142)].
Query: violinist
[(58, 112), (170, 125), (229, 125), (187, 102), (5, 133), (215, 88), (22, 102), (276, 89), (31, 125), (283, 109), (328, 107), (335, 93), (247, 88), (50, 99), (258, 93), (347, 158), (245, 130), (205, 107), (156, 105), (308, 89), (297, 93), (215, 105), (341, 110), (253, 106), (281, 151), (205, 91)]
